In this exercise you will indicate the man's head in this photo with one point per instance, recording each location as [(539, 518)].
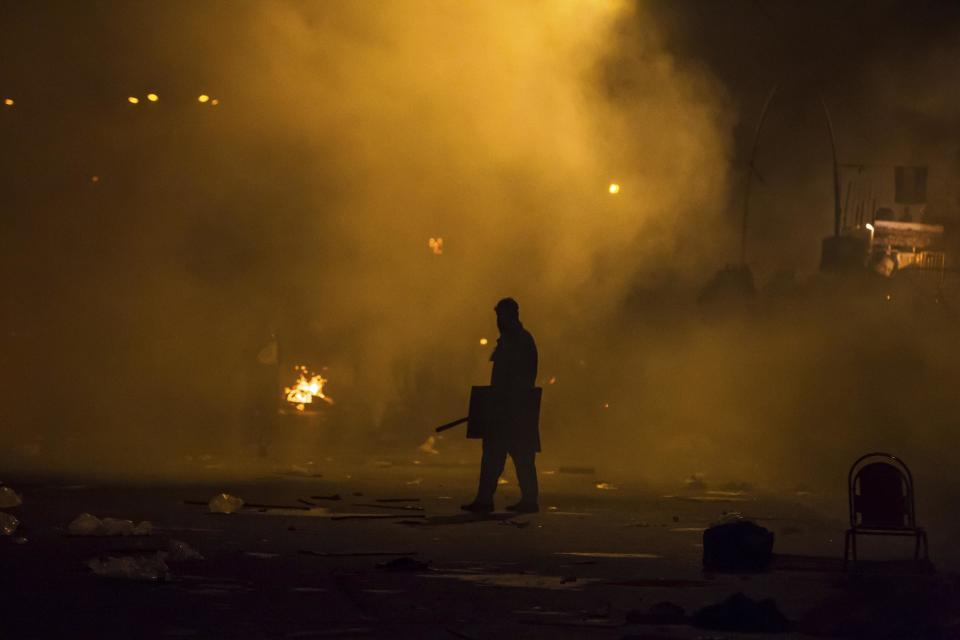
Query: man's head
[(508, 314)]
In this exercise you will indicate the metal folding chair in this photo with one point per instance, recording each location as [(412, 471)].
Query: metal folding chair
[(881, 503)]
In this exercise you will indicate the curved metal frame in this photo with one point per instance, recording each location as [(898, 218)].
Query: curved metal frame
[(911, 529)]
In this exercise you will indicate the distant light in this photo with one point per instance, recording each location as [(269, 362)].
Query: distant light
[(133, 100), (8, 102), (614, 188), (95, 179), (214, 102), (483, 341), (203, 98), (152, 97), (436, 246), (869, 226)]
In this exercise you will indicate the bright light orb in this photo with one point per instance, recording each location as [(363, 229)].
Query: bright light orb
[(133, 100), (203, 98), (152, 97), (614, 188), (483, 341), (8, 102)]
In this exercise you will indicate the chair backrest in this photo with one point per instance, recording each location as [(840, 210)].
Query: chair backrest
[(881, 493)]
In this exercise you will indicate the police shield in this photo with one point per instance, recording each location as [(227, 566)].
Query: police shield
[(512, 415)]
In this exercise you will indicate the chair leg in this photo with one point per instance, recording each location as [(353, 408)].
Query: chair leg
[(846, 549)]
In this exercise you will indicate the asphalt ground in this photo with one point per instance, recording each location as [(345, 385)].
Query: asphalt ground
[(304, 565)]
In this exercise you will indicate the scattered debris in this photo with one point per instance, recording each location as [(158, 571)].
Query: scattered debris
[(9, 498), (375, 516), (519, 524), (737, 546), (606, 486), (147, 568), (411, 483), (660, 613), (501, 579), (428, 445), (180, 551), (87, 524), (8, 524), (401, 499), (225, 503), (740, 613), (711, 496), (404, 564), (588, 471), (335, 496), (403, 507), (354, 554)]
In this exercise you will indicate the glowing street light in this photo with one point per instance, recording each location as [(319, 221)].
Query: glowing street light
[(483, 341), (614, 188), (203, 98), (8, 102), (152, 97), (133, 100)]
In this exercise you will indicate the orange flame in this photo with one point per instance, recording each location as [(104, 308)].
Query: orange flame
[(306, 389)]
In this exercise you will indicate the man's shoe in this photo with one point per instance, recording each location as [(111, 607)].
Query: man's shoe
[(524, 507), (482, 508)]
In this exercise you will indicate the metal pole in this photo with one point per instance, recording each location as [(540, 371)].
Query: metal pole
[(836, 172), (750, 171)]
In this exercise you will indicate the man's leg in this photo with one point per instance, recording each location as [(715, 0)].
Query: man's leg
[(491, 466), (524, 462)]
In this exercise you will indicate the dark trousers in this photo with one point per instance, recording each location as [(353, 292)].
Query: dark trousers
[(491, 466)]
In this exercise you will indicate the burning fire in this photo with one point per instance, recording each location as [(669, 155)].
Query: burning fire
[(436, 245), (306, 389)]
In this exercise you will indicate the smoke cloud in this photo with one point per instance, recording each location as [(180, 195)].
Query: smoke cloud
[(347, 136)]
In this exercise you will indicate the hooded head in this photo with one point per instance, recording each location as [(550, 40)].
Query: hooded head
[(508, 315)]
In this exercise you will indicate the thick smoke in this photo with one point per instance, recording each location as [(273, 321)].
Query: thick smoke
[(348, 135), (346, 138)]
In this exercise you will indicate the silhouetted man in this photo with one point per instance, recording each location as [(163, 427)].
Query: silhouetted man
[(514, 368)]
